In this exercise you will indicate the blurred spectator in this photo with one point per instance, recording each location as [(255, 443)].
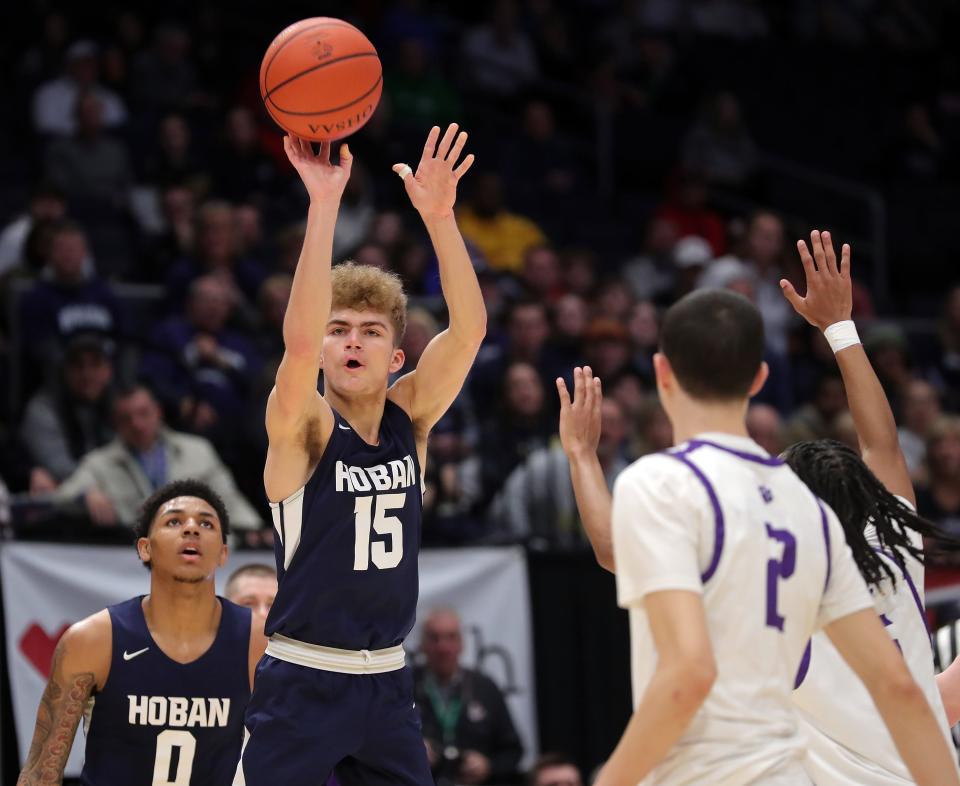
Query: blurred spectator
[(644, 328), (420, 95), (886, 346), (541, 165), (541, 273), (606, 346), (55, 101), (163, 78), (918, 152), (499, 58), (467, 727), (687, 211), (253, 586), (421, 329), (554, 769), (570, 315), (537, 502), (654, 431), (719, 144), (943, 355), (740, 19), (44, 55), (502, 237), (651, 273), (174, 237), (921, 409), (453, 485), (522, 425), (241, 169), (289, 242), (250, 238), (614, 299), (67, 420), (89, 164), (174, 162), (356, 215), (46, 204), (113, 480), (527, 334), (764, 250), (766, 428), (939, 499), (817, 418), (579, 271), (67, 298), (199, 366), (629, 390), (272, 301), (216, 250)]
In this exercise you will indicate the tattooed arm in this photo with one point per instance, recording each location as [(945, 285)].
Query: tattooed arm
[(80, 666)]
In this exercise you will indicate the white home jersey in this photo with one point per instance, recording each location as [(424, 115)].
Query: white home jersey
[(849, 743), (721, 517)]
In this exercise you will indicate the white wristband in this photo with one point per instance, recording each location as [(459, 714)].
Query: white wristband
[(841, 335)]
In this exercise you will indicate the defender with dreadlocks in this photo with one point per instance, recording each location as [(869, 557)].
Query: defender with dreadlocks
[(874, 500)]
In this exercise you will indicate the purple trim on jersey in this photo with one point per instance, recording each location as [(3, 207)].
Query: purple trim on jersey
[(767, 461), (913, 587), (717, 513), (804, 666), (826, 540)]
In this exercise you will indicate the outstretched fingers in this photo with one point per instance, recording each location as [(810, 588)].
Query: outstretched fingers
[(845, 261), (829, 253), (430, 146), (809, 268), (577, 386), (448, 136), (457, 148), (461, 170), (791, 295), (564, 394)]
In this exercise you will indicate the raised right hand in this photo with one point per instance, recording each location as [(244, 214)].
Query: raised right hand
[(324, 181), (580, 418), (829, 297)]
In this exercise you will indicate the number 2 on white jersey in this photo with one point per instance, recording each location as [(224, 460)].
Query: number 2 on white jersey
[(382, 556)]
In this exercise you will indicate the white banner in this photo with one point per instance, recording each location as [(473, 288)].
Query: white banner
[(48, 587)]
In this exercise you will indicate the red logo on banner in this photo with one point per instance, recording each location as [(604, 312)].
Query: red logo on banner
[(37, 647)]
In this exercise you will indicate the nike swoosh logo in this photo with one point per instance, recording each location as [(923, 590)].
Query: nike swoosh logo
[(132, 655), (345, 428)]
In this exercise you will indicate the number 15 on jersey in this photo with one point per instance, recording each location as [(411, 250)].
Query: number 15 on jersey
[(370, 512)]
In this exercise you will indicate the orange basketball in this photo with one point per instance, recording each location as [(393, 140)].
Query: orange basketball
[(321, 79)]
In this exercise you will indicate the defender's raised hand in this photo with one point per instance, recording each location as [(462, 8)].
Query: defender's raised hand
[(432, 188), (324, 181), (580, 418), (829, 297)]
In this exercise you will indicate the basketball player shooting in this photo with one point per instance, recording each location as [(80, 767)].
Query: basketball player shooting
[(163, 679), (343, 474)]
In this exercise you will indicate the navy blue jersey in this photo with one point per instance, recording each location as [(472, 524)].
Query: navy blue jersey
[(347, 541), (159, 722)]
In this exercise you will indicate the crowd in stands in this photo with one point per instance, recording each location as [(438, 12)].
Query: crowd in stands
[(150, 225)]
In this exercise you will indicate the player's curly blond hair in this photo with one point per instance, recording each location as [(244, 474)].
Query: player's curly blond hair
[(367, 288)]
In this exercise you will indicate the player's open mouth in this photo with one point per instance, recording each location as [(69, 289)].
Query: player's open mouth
[(190, 553), (352, 363)]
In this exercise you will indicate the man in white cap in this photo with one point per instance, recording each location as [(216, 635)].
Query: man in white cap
[(54, 101)]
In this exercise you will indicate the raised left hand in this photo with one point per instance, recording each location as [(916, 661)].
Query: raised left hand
[(829, 297), (432, 187), (580, 418)]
